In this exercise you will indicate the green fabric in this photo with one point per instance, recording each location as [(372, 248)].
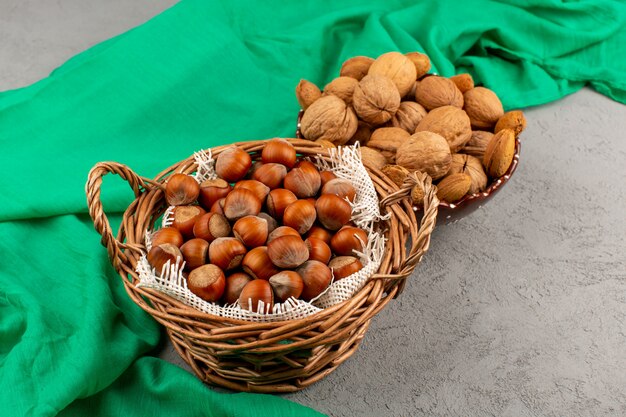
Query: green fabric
[(199, 75)]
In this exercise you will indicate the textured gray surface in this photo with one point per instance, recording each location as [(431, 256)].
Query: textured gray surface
[(518, 310)]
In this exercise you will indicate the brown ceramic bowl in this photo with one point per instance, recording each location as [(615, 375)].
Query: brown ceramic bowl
[(451, 212)]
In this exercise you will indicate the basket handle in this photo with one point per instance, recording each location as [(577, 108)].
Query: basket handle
[(421, 242), (101, 222)]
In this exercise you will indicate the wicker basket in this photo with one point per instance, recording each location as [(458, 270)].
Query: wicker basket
[(265, 357)]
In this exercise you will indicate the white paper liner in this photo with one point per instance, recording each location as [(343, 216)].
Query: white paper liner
[(345, 163)]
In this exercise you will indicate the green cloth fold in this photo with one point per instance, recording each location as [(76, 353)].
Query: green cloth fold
[(199, 75)]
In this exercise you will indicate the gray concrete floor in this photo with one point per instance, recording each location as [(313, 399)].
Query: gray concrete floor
[(518, 310)]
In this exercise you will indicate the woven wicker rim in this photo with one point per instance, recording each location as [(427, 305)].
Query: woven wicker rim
[(272, 357)]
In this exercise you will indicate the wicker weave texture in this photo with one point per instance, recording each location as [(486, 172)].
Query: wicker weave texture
[(265, 357)]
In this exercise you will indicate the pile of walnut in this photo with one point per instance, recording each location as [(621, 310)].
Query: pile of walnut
[(268, 231), (407, 120)]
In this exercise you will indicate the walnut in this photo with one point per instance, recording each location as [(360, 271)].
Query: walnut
[(434, 91), (426, 152), (450, 122), (362, 134), (483, 107), (386, 141), (398, 68), (408, 116), (477, 143), (376, 99), (372, 158), (356, 67), (329, 118), (471, 166), (342, 87)]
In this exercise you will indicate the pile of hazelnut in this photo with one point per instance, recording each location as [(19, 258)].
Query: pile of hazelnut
[(266, 231)]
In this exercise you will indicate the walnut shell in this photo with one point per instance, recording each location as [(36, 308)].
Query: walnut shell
[(372, 158), (426, 152), (342, 87), (376, 99), (421, 62), (477, 143), (329, 118), (362, 134), (307, 93), (356, 67), (386, 140), (434, 91), (450, 122), (513, 120), (483, 107), (471, 166), (398, 68), (499, 153), (396, 173), (464, 82), (408, 116)]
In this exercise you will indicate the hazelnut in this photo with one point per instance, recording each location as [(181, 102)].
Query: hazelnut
[(210, 226), (333, 211), (218, 206), (320, 233), (160, 255), (167, 235), (344, 266), (279, 151), (207, 282), (240, 203), (257, 296), (287, 251), (181, 189), (340, 187), (185, 217), (316, 277), (226, 252), (347, 239), (326, 176), (259, 189), (271, 174), (278, 200), (300, 215), (211, 191), (251, 231), (232, 164), (282, 231), (286, 284), (272, 224), (233, 287), (258, 265), (195, 253), (318, 250), (304, 180)]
